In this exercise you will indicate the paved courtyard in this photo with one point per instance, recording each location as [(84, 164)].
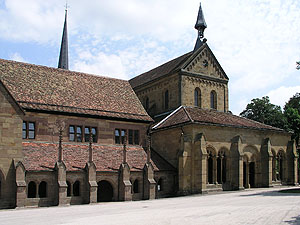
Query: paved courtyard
[(255, 206)]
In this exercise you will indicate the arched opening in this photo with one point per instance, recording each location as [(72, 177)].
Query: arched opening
[(43, 189), (105, 191), (31, 191), (136, 186), (210, 168), (0, 187), (159, 185), (68, 189), (279, 166), (245, 175), (213, 100), (273, 165), (197, 97), (166, 99), (76, 188), (221, 168), (252, 174)]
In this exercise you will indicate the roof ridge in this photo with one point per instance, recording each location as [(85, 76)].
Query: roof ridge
[(167, 117), (188, 115), (62, 70)]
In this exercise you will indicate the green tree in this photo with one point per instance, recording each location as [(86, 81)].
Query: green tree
[(262, 110), (292, 115)]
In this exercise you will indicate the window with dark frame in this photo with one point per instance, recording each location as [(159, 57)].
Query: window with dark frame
[(130, 137), (72, 133), (166, 98), (136, 137), (79, 134), (87, 131), (123, 134), (117, 136), (28, 130)]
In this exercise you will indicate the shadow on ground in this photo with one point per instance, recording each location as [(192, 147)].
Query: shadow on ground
[(270, 193), (294, 220)]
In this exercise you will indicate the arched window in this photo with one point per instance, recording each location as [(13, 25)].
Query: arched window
[(76, 188), (221, 167), (68, 189), (136, 186), (166, 99), (213, 100), (197, 97), (43, 189), (279, 166), (31, 192), (159, 185), (147, 104)]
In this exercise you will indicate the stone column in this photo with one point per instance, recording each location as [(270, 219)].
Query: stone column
[(236, 169), (200, 158), (62, 184), (21, 185), (215, 169), (124, 178), (292, 158), (266, 163), (247, 175)]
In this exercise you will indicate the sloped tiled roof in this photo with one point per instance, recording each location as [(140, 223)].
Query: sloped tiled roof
[(43, 156), (51, 89), (162, 70), (189, 114)]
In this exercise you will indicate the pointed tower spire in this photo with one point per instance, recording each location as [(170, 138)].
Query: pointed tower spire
[(63, 62), (200, 26)]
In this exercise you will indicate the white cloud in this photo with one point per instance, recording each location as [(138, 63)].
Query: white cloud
[(281, 95), (17, 57)]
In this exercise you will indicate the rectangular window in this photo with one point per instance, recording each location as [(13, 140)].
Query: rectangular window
[(130, 137), (72, 133), (28, 130), (79, 134), (136, 137), (117, 136), (123, 135), (87, 131)]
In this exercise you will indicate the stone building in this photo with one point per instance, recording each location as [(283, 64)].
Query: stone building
[(195, 131), (75, 138)]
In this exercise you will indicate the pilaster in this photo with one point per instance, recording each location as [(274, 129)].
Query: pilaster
[(266, 163), (21, 185)]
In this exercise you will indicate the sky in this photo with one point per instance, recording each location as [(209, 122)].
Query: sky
[(257, 42)]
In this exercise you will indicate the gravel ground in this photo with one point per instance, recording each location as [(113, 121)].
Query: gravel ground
[(253, 206)]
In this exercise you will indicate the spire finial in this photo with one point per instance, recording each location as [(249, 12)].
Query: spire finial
[(200, 26), (63, 62)]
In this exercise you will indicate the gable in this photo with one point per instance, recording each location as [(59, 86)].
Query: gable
[(205, 63)]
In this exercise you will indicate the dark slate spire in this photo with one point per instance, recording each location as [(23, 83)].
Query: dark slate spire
[(63, 62), (200, 26)]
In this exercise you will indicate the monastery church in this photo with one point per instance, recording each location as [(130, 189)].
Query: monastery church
[(76, 138)]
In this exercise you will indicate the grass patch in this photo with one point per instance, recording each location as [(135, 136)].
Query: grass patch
[(296, 190)]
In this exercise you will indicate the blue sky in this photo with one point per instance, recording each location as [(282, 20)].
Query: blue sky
[(256, 41)]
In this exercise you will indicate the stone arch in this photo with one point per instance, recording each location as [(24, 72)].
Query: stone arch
[(43, 189), (197, 97), (250, 166), (76, 188), (222, 165), (105, 191), (213, 99), (136, 186), (68, 189), (31, 190), (211, 165), (280, 165)]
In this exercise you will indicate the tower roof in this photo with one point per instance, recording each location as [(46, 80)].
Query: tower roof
[(63, 62), (200, 23), (200, 26)]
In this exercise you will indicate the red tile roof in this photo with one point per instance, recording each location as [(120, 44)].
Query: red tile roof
[(43, 156), (188, 114), (162, 70), (51, 89)]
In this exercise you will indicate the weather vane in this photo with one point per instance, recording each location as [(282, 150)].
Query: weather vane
[(298, 65), (66, 5)]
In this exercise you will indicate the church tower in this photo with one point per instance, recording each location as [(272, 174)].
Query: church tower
[(63, 62), (195, 79)]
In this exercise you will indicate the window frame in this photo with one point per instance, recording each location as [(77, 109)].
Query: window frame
[(213, 100), (94, 136), (27, 130)]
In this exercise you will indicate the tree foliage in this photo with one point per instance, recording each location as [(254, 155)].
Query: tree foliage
[(292, 115), (262, 110)]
